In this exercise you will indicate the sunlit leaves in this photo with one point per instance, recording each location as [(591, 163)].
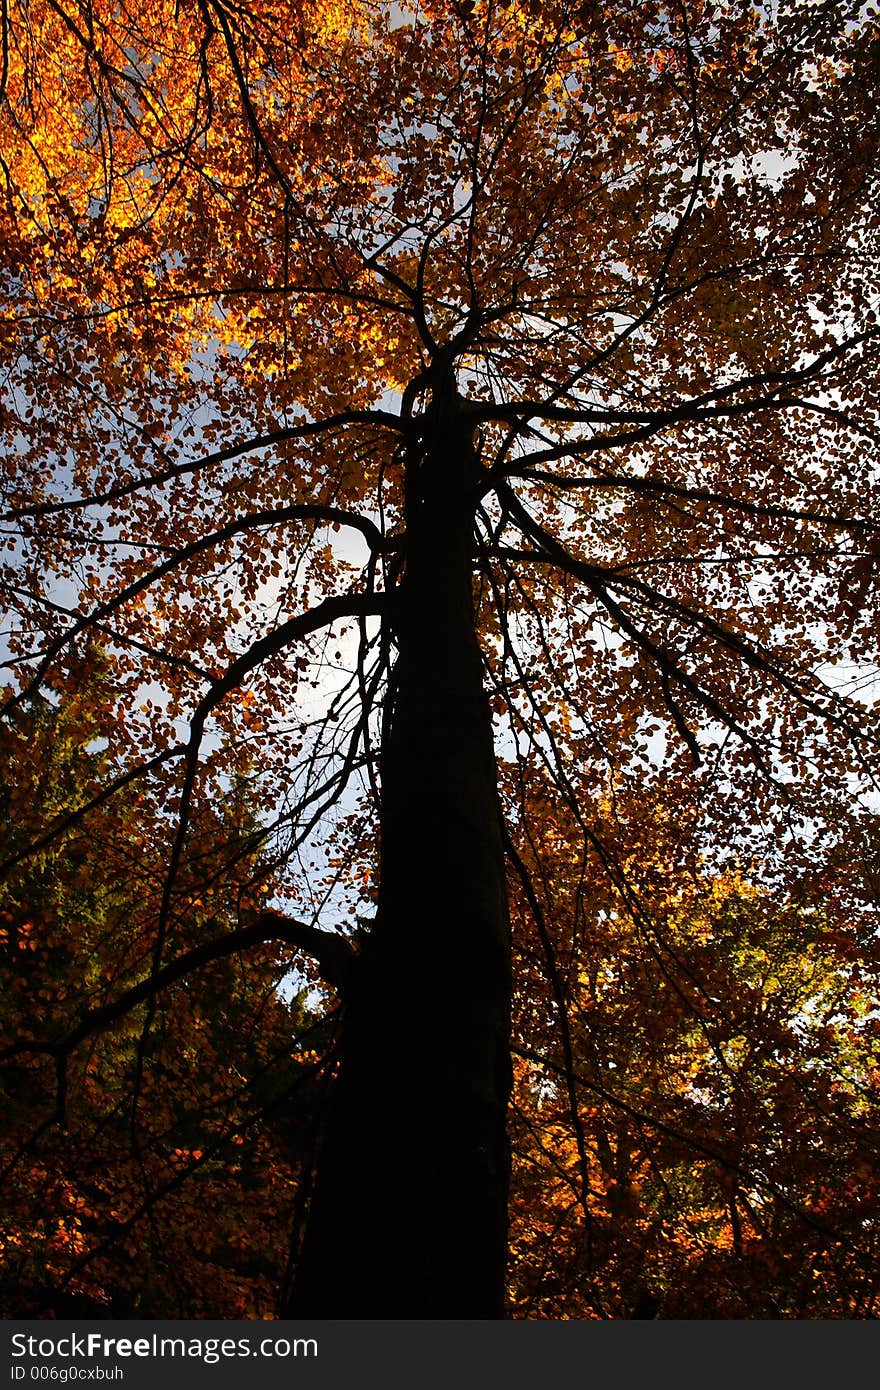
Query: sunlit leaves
[(706, 1144)]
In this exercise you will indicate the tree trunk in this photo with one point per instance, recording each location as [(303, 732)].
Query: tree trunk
[(409, 1212)]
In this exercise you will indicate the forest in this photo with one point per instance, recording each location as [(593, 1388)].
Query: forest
[(439, 809)]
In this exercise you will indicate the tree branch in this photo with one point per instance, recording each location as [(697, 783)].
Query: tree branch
[(335, 957)]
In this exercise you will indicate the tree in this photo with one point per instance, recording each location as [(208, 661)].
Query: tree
[(703, 1147), (189, 1220), (447, 363)]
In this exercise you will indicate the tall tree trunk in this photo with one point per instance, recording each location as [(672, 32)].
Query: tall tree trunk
[(409, 1213)]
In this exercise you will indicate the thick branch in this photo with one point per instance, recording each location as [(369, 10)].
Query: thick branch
[(383, 418), (334, 956), (709, 405), (251, 521)]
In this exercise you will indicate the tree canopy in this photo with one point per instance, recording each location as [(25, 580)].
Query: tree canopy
[(453, 429)]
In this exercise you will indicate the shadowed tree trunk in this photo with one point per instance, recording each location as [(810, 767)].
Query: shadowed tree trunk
[(408, 1216)]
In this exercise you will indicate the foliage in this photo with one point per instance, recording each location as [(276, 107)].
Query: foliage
[(700, 1142), (358, 358), (172, 1203)]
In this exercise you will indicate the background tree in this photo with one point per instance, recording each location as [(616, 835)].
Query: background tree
[(699, 1140), (365, 361), (190, 1216)]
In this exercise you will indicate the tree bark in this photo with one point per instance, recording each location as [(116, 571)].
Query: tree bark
[(409, 1212)]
